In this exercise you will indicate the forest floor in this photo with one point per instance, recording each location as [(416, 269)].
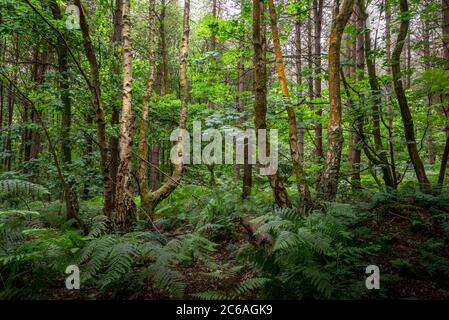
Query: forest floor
[(401, 262), (321, 254)]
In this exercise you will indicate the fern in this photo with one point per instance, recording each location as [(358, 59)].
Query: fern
[(312, 254), (21, 188)]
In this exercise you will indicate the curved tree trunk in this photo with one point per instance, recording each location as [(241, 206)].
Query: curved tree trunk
[(329, 182), (301, 181), (407, 119), (382, 158), (260, 94), (95, 88), (151, 199)]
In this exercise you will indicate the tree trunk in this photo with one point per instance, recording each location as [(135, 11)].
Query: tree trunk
[(444, 163), (407, 119), (124, 200), (115, 117), (95, 88), (430, 97), (162, 71), (8, 148), (360, 70), (298, 169), (380, 159), (260, 93), (70, 198), (445, 29), (151, 199), (142, 171), (329, 182), (301, 125), (63, 68), (154, 167), (318, 22), (247, 167)]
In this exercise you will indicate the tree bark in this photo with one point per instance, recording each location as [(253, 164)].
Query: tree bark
[(445, 28), (124, 200), (329, 182), (95, 89), (260, 93), (162, 71), (115, 117), (154, 167), (63, 69), (151, 199), (407, 119), (301, 181), (142, 171), (381, 158), (247, 167), (301, 126), (318, 22), (431, 156)]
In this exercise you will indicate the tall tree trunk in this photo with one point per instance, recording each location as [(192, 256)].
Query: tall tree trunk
[(301, 125), (430, 97), (38, 78), (247, 166), (380, 159), (10, 107), (360, 75), (329, 183), (115, 117), (388, 54), (298, 169), (95, 88), (260, 93), (318, 22), (63, 68), (162, 71), (407, 119), (124, 200), (445, 29), (151, 199), (213, 47), (142, 171)]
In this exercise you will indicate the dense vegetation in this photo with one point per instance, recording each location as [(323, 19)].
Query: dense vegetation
[(91, 93)]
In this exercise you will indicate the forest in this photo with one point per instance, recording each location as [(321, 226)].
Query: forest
[(224, 149)]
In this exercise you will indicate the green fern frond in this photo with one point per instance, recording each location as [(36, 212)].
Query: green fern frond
[(250, 284), (122, 258), (167, 280), (22, 188), (212, 295)]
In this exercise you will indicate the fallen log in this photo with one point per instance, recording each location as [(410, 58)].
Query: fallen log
[(262, 239)]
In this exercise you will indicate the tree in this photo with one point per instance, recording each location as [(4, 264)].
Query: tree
[(152, 198), (407, 119), (124, 200), (380, 158), (95, 89), (260, 93), (301, 181), (330, 178)]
